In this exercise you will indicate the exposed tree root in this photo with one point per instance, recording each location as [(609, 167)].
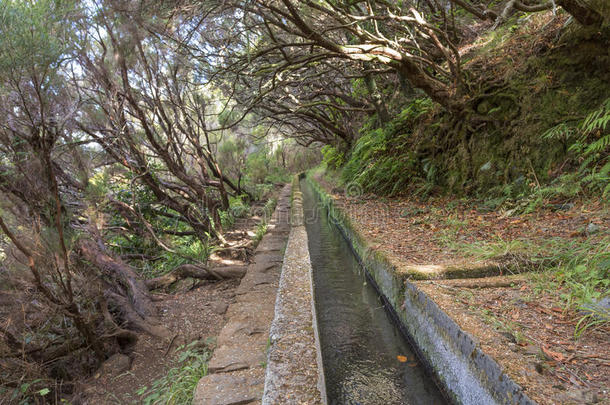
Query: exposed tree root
[(132, 299), (198, 272), (149, 324)]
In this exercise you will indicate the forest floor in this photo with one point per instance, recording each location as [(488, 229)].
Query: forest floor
[(195, 313), (529, 322)]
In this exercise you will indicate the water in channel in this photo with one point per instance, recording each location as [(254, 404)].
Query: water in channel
[(366, 359)]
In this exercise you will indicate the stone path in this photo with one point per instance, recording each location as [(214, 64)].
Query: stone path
[(237, 367)]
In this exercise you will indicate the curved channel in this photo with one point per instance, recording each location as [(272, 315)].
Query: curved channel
[(366, 358)]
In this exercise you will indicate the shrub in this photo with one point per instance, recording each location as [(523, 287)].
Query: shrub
[(332, 157), (178, 386)]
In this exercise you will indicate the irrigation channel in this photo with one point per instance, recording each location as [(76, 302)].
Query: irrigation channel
[(366, 358)]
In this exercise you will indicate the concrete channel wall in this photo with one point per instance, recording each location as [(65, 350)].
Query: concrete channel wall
[(454, 358), (294, 371)]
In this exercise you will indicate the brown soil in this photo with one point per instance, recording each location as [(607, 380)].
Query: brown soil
[(190, 315), (526, 329), (193, 312)]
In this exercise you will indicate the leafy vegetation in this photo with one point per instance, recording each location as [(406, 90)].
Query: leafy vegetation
[(378, 161), (178, 385), (265, 214), (522, 166)]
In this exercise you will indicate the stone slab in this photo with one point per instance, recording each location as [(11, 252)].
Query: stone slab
[(227, 389), (229, 358)]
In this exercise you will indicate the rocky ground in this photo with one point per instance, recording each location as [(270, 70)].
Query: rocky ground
[(196, 315)]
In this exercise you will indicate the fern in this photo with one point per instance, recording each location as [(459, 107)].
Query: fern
[(597, 122), (599, 145), (605, 170), (596, 154), (598, 119), (560, 131), (591, 146)]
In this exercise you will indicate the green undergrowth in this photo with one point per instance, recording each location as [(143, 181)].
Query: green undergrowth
[(238, 208), (156, 261), (185, 251), (178, 385), (381, 160), (29, 392)]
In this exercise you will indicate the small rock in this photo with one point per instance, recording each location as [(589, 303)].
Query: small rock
[(599, 309), (562, 206), (509, 336), (520, 303), (531, 350), (603, 303), (581, 396), (486, 167), (117, 363), (592, 228), (219, 308)]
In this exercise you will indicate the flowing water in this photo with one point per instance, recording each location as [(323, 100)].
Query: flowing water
[(366, 358)]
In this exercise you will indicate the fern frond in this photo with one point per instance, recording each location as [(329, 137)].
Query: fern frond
[(598, 119), (559, 131), (586, 162), (599, 145), (605, 170)]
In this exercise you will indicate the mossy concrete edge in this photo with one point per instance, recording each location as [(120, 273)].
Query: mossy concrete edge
[(286, 377), (464, 372)]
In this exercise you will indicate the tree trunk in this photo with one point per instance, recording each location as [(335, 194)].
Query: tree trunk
[(123, 274), (382, 112), (582, 12), (436, 90)]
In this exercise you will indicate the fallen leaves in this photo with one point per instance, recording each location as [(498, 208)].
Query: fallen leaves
[(427, 227), (404, 359), (558, 357), (546, 334)]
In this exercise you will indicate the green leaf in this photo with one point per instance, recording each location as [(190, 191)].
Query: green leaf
[(44, 392)]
